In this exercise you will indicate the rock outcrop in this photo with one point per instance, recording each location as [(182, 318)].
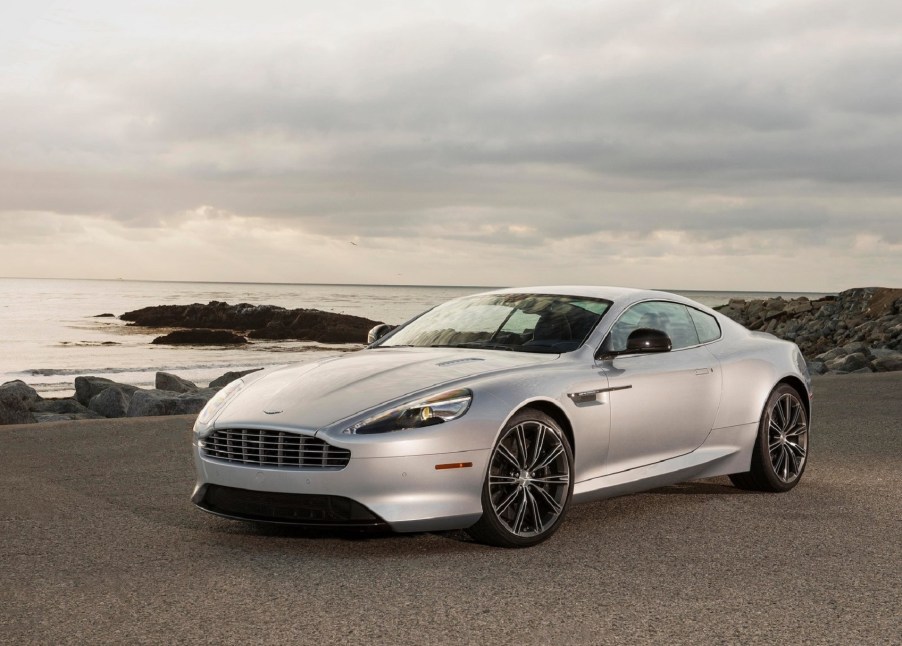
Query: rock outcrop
[(858, 330), (98, 397), (257, 321)]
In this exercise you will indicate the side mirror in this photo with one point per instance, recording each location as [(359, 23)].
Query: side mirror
[(378, 332), (648, 340)]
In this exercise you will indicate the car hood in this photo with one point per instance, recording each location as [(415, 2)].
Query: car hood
[(314, 395)]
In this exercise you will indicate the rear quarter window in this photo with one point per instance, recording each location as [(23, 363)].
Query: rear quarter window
[(707, 326)]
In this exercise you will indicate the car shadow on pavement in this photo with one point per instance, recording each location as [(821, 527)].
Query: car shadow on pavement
[(718, 486)]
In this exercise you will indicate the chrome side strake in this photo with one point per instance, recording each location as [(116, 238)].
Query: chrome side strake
[(592, 395)]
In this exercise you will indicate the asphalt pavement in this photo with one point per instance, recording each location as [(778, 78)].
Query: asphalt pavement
[(100, 544)]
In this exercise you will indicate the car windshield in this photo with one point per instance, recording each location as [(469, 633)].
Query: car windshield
[(518, 322)]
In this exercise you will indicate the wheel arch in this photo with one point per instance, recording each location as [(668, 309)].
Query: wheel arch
[(554, 411), (799, 386)]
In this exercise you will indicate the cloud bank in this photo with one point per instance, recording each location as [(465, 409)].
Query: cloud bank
[(711, 145)]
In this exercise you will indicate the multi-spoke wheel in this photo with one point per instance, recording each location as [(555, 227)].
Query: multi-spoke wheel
[(528, 485), (781, 449)]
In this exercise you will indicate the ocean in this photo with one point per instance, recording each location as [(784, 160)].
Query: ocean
[(50, 333)]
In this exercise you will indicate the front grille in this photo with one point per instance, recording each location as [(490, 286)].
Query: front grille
[(261, 447)]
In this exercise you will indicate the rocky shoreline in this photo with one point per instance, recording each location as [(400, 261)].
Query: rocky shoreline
[(856, 331), (97, 398)]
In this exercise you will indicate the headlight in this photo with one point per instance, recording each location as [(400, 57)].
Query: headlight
[(215, 406), (424, 412)]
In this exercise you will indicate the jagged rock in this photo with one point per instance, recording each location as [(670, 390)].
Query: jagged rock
[(173, 383), (258, 321), (86, 388), (848, 363), (110, 402), (889, 362), (16, 398), (149, 403), (229, 377), (200, 337)]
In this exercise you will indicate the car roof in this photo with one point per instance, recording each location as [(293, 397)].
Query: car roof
[(614, 294)]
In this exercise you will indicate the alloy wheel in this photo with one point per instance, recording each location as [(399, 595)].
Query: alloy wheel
[(787, 438), (529, 479)]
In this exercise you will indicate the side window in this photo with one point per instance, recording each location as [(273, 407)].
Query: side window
[(705, 324), (671, 318)]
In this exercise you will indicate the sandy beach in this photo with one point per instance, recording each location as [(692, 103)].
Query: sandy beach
[(101, 545)]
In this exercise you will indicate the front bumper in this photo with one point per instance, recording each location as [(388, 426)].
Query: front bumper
[(407, 494)]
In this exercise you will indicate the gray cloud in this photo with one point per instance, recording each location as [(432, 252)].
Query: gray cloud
[(510, 126)]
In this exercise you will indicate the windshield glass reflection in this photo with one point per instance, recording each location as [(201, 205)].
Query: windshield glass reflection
[(516, 322)]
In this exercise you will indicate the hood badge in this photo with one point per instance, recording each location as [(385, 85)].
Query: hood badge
[(272, 412)]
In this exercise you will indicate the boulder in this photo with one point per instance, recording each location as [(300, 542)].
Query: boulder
[(849, 363), (888, 362), (151, 403), (105, 315), (16, 399), (200, 337), (86, 388), (173, 383), (229, 377), (110, 402)]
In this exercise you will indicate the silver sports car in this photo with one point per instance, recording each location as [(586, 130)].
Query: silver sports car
[(495, 412)]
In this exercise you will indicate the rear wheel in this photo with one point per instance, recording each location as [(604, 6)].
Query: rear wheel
[(781, 448), (528, 485)]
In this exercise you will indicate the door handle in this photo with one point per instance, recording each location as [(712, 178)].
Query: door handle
[(704, 371)]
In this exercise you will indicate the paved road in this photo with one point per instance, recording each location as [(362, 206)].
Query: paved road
[(100, 544)]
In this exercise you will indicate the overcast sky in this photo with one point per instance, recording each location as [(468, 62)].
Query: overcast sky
[(674, 144)]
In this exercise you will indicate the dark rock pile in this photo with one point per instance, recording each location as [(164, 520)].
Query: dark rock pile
[(200, 336), (858, 330), (97, 397), (256, 321)]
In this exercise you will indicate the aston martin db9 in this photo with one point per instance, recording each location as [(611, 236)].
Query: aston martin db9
[(495, 412)]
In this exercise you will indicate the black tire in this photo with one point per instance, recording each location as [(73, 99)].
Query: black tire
[(528, 485), (781, 448)]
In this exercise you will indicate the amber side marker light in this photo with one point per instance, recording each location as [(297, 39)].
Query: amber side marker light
[(453, 465)]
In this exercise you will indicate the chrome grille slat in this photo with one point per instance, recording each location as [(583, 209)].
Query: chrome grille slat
[(262, 447)]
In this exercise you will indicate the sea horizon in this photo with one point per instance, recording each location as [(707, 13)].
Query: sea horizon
[(427, 285)]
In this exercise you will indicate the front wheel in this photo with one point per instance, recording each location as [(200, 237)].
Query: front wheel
[(528, 485), (781, 448)]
